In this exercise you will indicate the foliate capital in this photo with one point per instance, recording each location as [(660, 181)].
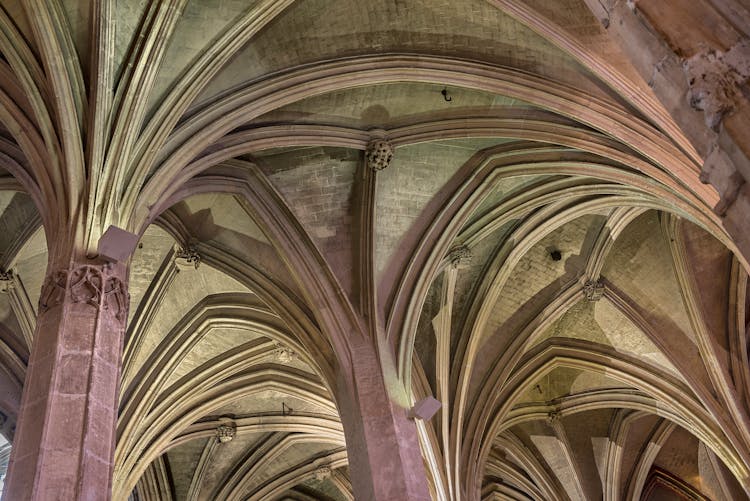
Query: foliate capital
[(379, 154)]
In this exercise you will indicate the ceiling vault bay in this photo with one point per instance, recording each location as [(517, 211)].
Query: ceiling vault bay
[(235, 137)]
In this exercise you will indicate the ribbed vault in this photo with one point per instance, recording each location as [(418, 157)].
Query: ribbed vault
[(540, 253)]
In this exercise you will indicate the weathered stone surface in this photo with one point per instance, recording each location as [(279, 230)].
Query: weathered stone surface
[(715, 78)]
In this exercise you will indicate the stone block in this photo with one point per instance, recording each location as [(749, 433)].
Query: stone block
[(117, 244), (425, 409)]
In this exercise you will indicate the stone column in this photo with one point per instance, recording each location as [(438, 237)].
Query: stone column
[(65, 438), (385, 459)]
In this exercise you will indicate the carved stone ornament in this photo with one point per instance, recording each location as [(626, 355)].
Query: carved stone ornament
[(593, 291), (187, 258), (714, 78), (460, 257), (226, 432), (284, 354), (7, 280), (85, 284), (379, 154), (322, 473), (553, 417)]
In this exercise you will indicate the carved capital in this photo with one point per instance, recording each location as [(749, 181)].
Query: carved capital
[(379, 154), (593, 290), (88, 284), (460, 257)]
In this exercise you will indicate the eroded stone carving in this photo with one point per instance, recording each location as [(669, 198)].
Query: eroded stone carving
[(225, 433), (322, 473), (187, 257), (53, 290), (227, 429), (460, 256), (6, 280), (715, 77), (593, 290), (85, 284), (552, 417), (379, 154), (116, 298), (284, 354)]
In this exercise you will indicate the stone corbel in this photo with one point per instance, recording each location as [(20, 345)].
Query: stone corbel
[(719, 170), (714, 80)]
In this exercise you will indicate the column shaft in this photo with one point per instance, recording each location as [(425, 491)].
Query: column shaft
[(385, 459), (65, 438)]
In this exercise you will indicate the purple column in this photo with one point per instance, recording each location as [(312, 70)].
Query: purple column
[(65, 439)]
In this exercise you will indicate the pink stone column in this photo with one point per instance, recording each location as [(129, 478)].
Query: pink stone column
[(64, 443), (385, 459)]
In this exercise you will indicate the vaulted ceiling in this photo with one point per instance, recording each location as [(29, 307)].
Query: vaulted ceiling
[(545, 260)]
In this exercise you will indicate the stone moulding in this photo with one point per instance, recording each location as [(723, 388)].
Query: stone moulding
[(87, 284)]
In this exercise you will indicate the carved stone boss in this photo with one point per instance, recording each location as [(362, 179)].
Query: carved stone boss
[(593, 290), (187, 257), (379, 154), (6, 280), (322, 473), (284, 354), (716, 78), (225, 433), (87, 284), (460, 257)]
